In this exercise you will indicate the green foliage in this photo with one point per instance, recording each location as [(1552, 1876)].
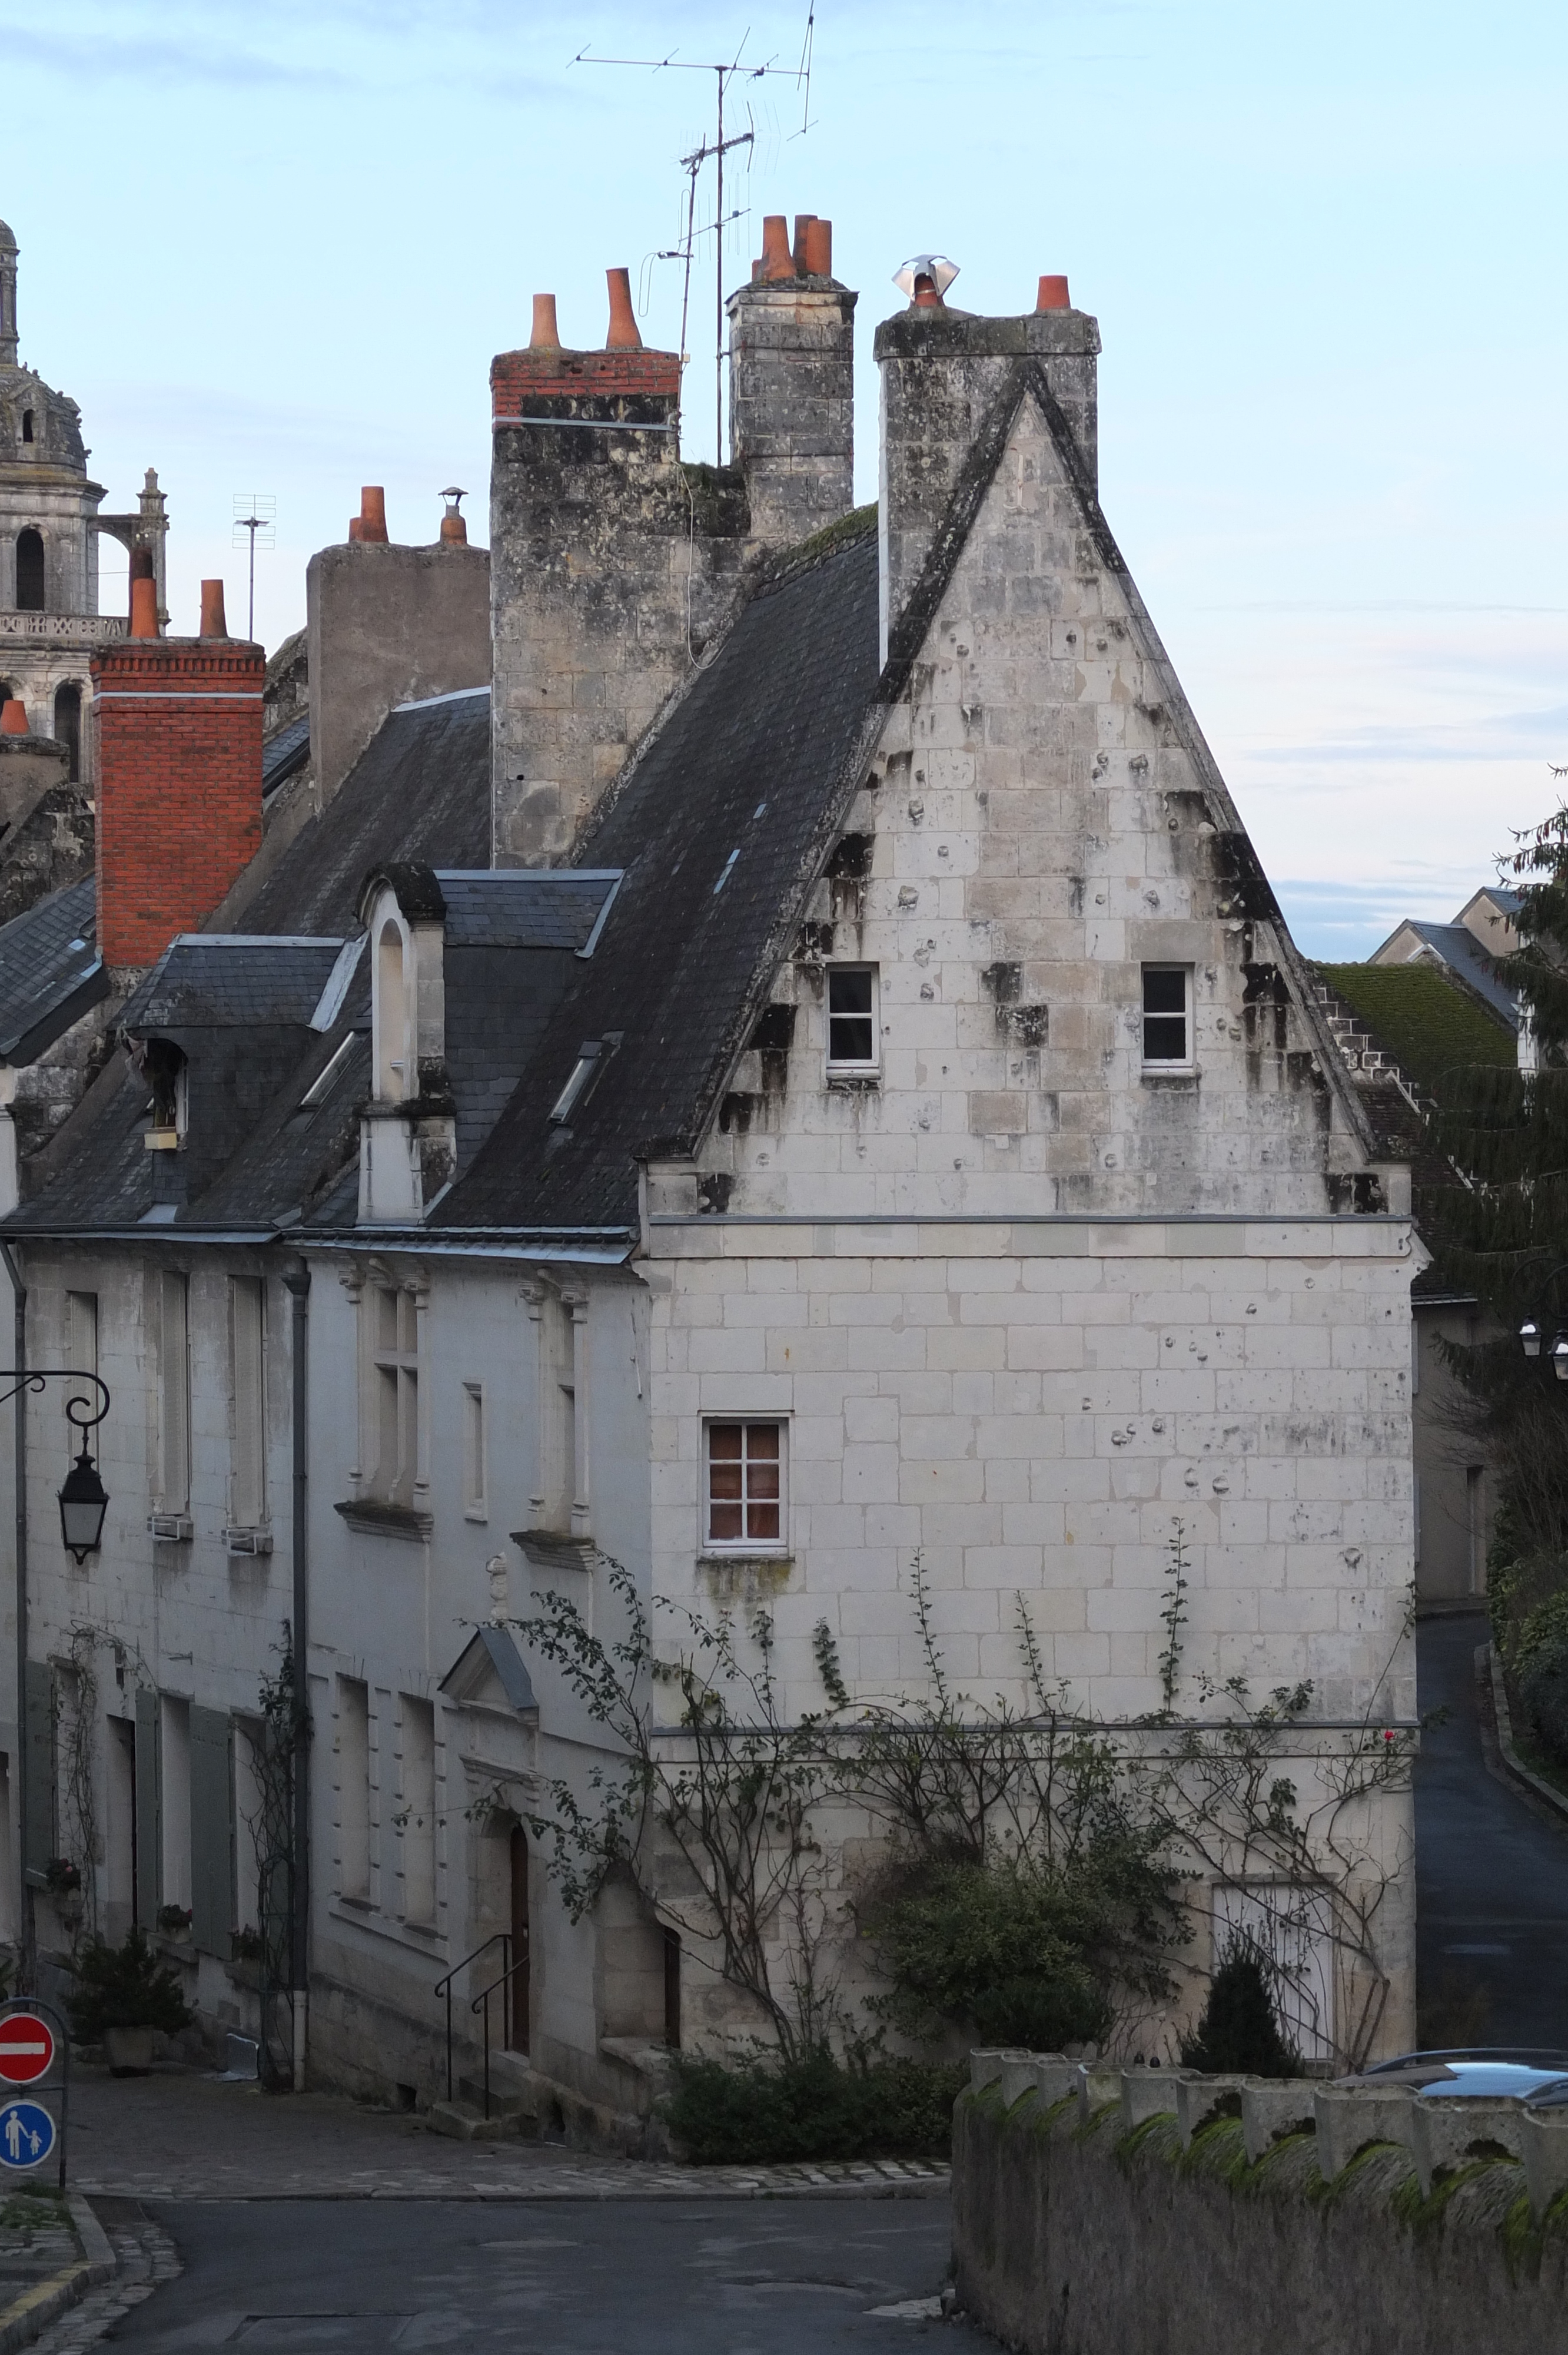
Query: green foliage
[(1544, 1695), (995, 1951), (124, 1987), (813, 2107), (1240, 2027), (1424, 1020)]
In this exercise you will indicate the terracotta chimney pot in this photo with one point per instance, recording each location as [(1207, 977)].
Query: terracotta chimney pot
[(819, 248), (802, 225), (144, 607), (623, 335), (1053, 295), (354, 527), (373, 513), (454, 530), (546, 335), (212, 622), (14, 717), (926, 296), (778, 261)]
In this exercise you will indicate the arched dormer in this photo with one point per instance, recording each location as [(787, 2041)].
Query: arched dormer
[(391, 1006)]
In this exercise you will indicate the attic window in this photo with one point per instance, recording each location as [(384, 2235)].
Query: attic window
[(592, 1057), (851, 1018), (26, 424), (164, 1068), (1167, 1015)]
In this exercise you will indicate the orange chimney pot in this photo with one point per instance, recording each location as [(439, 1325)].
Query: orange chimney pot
[(778, 261), (818, 262), (213, 624), (373, 513), (14, 717), (1053, 295), (546, 335), (144, 607), (623, 335)]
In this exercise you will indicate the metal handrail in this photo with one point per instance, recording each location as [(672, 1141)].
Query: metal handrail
[(509, 1973), (444, 1987)]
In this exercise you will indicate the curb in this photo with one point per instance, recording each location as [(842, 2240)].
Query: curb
[(31, 2313), (1506, 1750)]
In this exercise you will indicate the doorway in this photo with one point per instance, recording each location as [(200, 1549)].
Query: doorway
[(518, 2011)]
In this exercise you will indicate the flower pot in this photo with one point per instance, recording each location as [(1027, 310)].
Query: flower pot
[(129, 2051)]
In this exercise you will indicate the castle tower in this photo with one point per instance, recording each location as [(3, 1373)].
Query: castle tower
[(50, 627)]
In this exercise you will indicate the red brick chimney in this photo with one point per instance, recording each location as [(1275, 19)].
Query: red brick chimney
[(179, 789)]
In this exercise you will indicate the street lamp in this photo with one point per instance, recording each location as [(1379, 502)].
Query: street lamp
[(1530, 1337), (83, 1499), (1559, 1356)]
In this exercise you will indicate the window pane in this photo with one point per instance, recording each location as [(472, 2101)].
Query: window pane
[(762, 1480), (762, 1523), (849, 992), (1164, 989), (1164, 1038), (386, 1320), (724, 1441), (724, 1523), (849, 1040), (762, 1439), (724, 1480)]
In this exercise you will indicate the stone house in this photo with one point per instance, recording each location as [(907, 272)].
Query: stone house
[(816, 1078)]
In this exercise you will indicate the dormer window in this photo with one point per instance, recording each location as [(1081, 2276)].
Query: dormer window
[(26, 424), (166, 1072), (391, 1018)]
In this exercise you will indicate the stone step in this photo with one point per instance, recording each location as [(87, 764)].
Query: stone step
[(465, 2122)]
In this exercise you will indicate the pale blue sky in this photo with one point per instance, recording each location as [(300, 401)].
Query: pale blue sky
[(272, 247)]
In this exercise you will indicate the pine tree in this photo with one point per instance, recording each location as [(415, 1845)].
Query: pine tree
[(1238, 2030)]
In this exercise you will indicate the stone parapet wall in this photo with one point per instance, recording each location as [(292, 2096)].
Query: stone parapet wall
[(1097, 2210)]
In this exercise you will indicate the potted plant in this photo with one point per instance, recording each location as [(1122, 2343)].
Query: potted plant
[(174, 1920), (122, 1996)]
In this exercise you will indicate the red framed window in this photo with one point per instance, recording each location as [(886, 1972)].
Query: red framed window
[(745, 1483)]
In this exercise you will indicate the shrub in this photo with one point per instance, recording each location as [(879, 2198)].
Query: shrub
[(124, 1987), (1239, 2029), (1543, 1692), (869, 2105), (1015, 1954)]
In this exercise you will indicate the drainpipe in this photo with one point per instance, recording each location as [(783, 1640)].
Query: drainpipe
[(298, 1280), (25, 1936)]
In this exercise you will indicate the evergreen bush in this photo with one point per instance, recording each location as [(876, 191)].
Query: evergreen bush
[(815, 2107), (124, 1987), (1239, 2029)]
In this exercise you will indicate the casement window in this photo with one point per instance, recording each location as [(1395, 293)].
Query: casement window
[(175, 1398), (1167, 1017), (395, 1379), (852, 1020), (744, 1505), (247, 1403), (389, 1017), (473, 1466), (354, 1789), (174, 1799), (417, 1811)]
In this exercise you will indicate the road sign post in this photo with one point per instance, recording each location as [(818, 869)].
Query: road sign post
[(35, 2053)]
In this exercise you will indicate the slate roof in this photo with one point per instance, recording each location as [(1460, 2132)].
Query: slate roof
[(524, 908), (50, 971), (419, 791), (720, 830), (212, 981), (284, 754), (1458, 947)]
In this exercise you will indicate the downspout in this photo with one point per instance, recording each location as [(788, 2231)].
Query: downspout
[(298, 1280), (24, 1932)]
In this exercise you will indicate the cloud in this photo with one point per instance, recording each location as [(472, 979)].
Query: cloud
[(163, 63)]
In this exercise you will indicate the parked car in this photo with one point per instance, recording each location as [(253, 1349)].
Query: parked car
[(1522, 2071)]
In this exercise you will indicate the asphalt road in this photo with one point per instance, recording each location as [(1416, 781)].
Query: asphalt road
[(1491, 1871), (602, 2277)]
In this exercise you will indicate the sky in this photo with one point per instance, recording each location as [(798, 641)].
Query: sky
[(270, 248)]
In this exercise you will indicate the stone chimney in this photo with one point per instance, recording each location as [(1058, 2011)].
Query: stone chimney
[(792, 384), (946, 377), (610, 563), (8, 251), (179, 782)]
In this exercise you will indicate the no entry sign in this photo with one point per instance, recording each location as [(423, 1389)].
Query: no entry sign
[(27, 2048)]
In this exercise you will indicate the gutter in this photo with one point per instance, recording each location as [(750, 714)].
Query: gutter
[(298, 1280), (19, 1451)]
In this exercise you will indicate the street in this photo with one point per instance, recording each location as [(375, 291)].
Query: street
[(1491, 1871), (687, 2277)]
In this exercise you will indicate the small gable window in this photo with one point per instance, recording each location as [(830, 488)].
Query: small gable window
[(851, 1018), (1168, 1016), (166, 1072), (26, 424), (744, 1486)]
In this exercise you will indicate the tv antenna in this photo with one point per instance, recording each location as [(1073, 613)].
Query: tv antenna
[(714, 151), (254, 511)]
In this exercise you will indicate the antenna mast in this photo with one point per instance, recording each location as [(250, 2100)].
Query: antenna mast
[(716, 152)]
